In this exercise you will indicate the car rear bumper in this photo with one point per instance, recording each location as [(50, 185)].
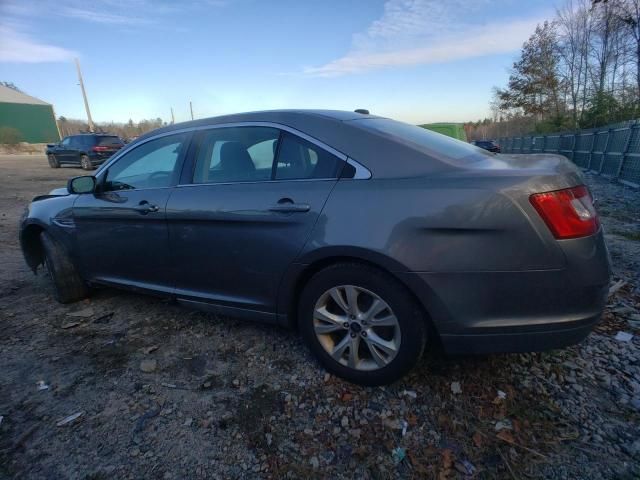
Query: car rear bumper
[(517, 311), (548, 337)]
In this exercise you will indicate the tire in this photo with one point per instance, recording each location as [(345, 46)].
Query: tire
[(372, 365), (68, 286), (85, 163), (53, 161)]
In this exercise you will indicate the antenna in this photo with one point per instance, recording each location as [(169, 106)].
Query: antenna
[(84, 96), (191, 108), (173, 119)]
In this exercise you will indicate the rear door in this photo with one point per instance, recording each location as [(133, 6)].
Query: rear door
[(242, 218), (121, 231), (64, 150)]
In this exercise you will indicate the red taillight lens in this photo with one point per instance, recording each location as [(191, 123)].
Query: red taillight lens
[(99, 148), (568, 213)]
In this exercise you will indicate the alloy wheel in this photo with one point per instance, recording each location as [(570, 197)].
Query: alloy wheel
[(356, 327)]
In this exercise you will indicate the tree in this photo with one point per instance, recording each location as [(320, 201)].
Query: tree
[(534, 83), (575, 24)]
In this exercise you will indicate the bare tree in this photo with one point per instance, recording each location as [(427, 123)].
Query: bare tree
[(575, 24)]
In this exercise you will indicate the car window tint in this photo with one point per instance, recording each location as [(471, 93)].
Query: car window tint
[(107, 141), (299, 159), (66, 141), (235, 154), (151, 165), (431, 143)]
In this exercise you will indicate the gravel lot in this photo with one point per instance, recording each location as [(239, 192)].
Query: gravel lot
[(167, 393)]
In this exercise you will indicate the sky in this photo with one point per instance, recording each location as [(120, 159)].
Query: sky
[(413, 60)]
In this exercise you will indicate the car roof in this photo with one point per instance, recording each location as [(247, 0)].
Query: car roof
[(287, 117)]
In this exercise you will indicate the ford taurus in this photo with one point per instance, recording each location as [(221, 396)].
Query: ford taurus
[(369, 235)]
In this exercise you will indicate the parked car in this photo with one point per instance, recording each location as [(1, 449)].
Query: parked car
[(87, 150), (369, 235), (489, 145)]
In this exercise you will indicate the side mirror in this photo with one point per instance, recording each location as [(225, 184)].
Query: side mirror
[(86, 184), (51, 145)]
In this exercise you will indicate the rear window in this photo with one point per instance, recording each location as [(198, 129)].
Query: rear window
[(105, 141), (433, 144)]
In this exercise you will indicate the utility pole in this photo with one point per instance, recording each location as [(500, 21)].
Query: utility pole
[(84, 95), (173, 119), (191, 108)]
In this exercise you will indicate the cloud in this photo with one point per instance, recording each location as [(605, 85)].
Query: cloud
[(101, 16), (419, 32), (18, 47)]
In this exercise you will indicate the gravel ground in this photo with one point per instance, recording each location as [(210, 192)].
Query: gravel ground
[(164, 392)]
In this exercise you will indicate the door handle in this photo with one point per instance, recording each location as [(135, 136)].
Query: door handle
[(145, 207), (286, 205)]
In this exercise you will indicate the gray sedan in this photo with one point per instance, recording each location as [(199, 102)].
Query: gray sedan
[(373, 237)]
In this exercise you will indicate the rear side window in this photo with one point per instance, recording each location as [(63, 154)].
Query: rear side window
[(299, 159), (106, 141), (433, 144)]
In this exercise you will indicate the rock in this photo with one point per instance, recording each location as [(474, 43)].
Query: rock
[(85, 313), (148, 366), (344, 422), (134, 452), (315, 463), (456, 388)]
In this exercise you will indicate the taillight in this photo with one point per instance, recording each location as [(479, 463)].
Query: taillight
[(568, 213), (100, 148)]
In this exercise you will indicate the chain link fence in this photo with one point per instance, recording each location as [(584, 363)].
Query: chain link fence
[(612, 151)]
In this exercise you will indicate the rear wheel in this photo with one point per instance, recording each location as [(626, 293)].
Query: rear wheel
[(68, 286), (362, 324), (53, 161), (85, 163)]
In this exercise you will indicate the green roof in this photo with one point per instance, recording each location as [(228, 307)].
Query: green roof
[(454, 130)]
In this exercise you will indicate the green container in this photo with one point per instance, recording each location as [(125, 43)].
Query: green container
[(35, 123), (453, 130)]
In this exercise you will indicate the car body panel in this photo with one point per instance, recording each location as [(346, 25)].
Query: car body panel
[(118, 244), (227, 245), (460, 234)]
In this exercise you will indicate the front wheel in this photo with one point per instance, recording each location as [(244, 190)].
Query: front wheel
[(68, 286), (53, 161), (362, 324), (85, 163)]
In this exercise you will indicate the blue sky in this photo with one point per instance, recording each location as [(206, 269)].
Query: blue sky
[(413, 60)]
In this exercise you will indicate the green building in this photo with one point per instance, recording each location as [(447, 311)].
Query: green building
[(33, 118), (454, 130)]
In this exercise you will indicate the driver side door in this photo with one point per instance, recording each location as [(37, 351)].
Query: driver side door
[(121, 230)]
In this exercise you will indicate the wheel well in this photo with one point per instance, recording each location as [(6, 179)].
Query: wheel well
[(315, 267), (32, 246)]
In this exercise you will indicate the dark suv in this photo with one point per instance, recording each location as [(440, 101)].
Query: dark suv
[(489, 145), (87, 150)]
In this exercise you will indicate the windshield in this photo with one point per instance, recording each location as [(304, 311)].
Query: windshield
[(433, 144)]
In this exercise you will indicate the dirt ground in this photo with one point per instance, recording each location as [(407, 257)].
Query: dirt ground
[(165, 392)]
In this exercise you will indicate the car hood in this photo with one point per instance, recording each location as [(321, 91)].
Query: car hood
[(56, 192), (59, 191)]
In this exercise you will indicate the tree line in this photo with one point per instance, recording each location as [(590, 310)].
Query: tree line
[(580, 69), (126, 131)]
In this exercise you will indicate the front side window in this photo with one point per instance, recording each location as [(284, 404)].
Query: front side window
[(151, 165), (235, 154), (299, 159), (67, 141)]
